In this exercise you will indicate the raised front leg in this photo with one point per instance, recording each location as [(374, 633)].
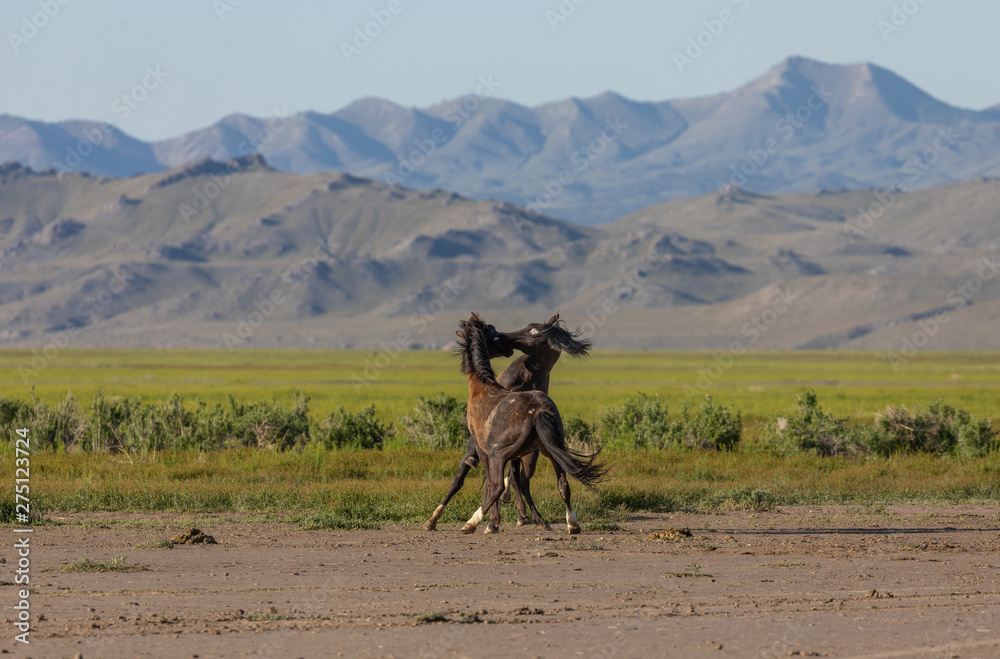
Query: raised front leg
[(469, 461)]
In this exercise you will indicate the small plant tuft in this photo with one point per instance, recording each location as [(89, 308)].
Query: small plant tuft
[(326, 521), (155, 544), (117, 564), (428, 617)]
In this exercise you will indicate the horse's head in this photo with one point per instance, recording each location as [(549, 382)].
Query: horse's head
[(550, 335), (497, 343)]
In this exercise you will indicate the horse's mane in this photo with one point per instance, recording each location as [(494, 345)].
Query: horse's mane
[(473, 350), (560, 338)]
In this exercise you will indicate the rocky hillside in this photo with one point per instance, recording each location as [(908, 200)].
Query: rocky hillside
[(237, 254)]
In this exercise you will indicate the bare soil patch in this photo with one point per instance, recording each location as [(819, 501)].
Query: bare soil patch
[(835, 581)]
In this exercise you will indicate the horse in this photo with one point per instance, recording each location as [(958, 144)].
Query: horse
[(512, 424), (542, 345)]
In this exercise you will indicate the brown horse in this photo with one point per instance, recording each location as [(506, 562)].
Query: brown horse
[(510, 425), (542, 345)]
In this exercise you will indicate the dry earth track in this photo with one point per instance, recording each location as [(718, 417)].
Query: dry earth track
[(904, 581)]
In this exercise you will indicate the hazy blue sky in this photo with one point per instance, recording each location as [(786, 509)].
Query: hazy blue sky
[(265, 54)]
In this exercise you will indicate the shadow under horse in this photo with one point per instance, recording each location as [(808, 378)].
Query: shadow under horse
[(509, 425), (542, 345)]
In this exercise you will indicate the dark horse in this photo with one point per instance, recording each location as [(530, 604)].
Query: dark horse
[(542, 345), (509, 425)]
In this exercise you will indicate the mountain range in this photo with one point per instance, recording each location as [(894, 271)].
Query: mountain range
[(804, 125), (236, 254)]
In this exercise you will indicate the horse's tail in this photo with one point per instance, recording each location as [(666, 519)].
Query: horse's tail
[(577, 464)]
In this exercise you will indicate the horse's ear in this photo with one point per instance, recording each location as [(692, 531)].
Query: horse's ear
[(553, 320), (460, 334), (474, 317)]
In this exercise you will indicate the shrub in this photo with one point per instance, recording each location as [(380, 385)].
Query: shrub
[(579, 433), (345, 430), (117, 424), (128, 424), (51, 427), (438, 422), (940, 429), (182, 428), (641, 421), (811, 430), (712, 427), (268, 425), (14, 413)]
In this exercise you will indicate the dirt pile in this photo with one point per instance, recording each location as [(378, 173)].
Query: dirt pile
[(193, 537), (670, 534)]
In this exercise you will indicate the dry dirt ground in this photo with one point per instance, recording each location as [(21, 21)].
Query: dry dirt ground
[(903, 581)]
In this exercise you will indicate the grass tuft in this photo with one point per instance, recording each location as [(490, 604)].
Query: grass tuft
[(155, 544), (428, 617), (117, 564)]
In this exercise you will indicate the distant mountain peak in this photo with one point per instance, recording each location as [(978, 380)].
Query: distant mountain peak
[(373, 105), (589, 158)]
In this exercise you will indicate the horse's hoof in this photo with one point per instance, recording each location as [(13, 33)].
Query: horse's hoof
[(430, 526), (549, 528), (468, 528), (505, 497), (573, 530), (489, 530), (522, 522)]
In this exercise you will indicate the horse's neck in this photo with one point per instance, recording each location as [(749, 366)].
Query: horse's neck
[(529, 372), (543, 362), (539, 366), (479, 385), (482, 400)]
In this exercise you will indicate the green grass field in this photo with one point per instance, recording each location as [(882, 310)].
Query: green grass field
[(323, 488), (761, 384), (369, 488)]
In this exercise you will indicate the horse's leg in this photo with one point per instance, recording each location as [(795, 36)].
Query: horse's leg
[(528, 464), (494, 467), (572, 525), (524, 489), (496, 483), (516, 477), (469, 461), (495, 509), (509, 482)]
